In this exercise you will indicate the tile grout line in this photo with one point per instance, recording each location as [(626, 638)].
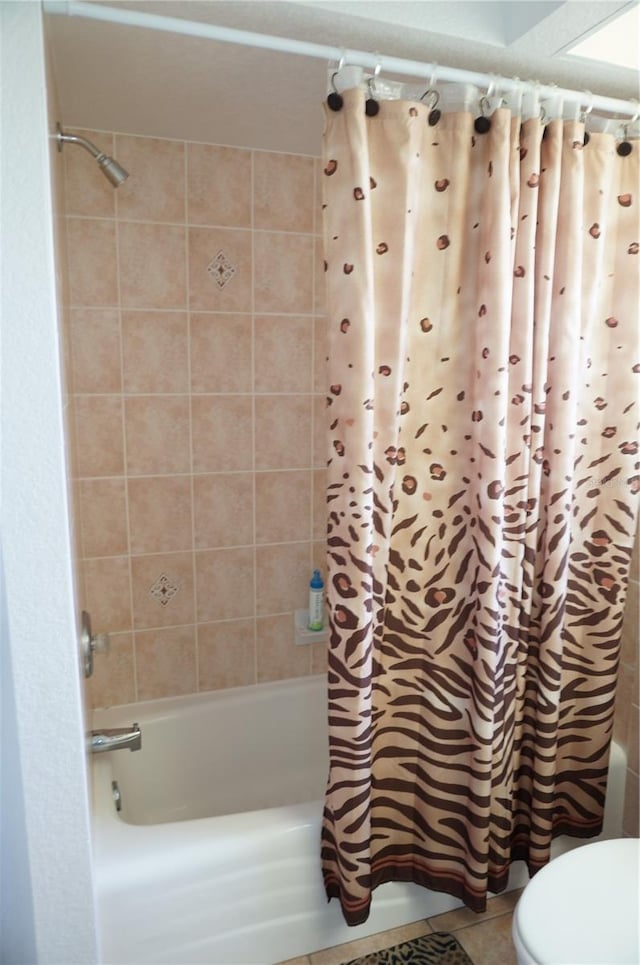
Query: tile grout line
[(205, 226), (125, 468), (156, 137), (312, 423), (254, 493), (177, 310), (194, 573)]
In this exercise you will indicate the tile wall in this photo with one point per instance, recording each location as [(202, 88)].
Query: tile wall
[(196, 332)]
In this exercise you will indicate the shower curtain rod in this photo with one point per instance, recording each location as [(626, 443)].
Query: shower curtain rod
[(355, 58)]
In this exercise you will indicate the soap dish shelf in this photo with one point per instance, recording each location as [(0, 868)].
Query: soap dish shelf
[(303, 634)]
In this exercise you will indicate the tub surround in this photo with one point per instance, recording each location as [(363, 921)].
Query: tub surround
[(196, 347)]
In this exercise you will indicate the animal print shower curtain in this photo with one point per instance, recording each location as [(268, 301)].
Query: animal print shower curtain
[(483, 485)]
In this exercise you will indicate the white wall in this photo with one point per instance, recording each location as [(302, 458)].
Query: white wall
[(47, 902)]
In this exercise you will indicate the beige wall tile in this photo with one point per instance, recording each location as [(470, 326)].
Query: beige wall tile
[(160, 514), (209, 291), (283, 276), (635, 558), (319, 278), (113, 681), (162, 587), (221, 353), (155, 350), (91, 251), (222, 428), (225, 584), (320, 432), (277, 653), (219, 185), (107, 588), (165, 662), (87, 191), (103, 517), (633, 758), (631, 814), (318, 225), (631, 627), (283, 506), (152, 264), (624, 695), (319, 557), (226, 654), (283, 437), (319, 654), (154, 190), (283, 347), (320, 355), (223, 510), (157, 429), (99, 438), (283, 572), (95, 350), (283, 187), (320, 511)]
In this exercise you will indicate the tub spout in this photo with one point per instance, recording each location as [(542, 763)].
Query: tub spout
[(112, 739)]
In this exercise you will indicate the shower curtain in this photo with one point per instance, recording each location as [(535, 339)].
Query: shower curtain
[(483, 409)]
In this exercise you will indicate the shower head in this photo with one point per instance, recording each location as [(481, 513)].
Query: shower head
[(112, 170), (115, 173)]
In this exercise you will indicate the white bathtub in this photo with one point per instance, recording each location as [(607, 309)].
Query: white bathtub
[(214, 857)]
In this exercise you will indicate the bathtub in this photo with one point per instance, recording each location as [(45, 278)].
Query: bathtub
[(214, 856)]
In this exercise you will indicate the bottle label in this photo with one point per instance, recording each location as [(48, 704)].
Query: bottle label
[(315, 610)]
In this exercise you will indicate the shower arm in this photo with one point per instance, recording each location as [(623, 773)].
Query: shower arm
[(82, 141), (113, 171)]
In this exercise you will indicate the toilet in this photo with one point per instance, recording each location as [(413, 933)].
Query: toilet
[(583, 908)]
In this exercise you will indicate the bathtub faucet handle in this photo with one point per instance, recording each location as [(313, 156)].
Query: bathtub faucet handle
[(91, 643)]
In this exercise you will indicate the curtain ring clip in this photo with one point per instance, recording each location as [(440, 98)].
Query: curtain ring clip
[(625, 147), (372, 106), (588, 107), (334, 100), (482, 123), (583, 115), (432, 97)]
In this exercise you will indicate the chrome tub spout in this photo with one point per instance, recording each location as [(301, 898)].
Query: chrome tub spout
[(114, 738)]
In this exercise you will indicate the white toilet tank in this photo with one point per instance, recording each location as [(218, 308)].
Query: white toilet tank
[(583, 908)]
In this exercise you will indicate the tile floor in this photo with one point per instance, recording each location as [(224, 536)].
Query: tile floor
[(485, 938)]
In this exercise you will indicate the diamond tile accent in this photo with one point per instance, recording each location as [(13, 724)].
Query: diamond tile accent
[(221, 269), (163, 589)]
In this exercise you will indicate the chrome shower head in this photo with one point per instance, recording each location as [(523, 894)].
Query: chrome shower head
[(112, 170), (115, 173)]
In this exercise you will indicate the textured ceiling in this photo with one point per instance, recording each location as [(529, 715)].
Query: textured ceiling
[(134, 80)]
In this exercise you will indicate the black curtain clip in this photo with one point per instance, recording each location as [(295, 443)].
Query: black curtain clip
[(482, 123), (334, 100), (625, 147), (371, 106), (432, 99)]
